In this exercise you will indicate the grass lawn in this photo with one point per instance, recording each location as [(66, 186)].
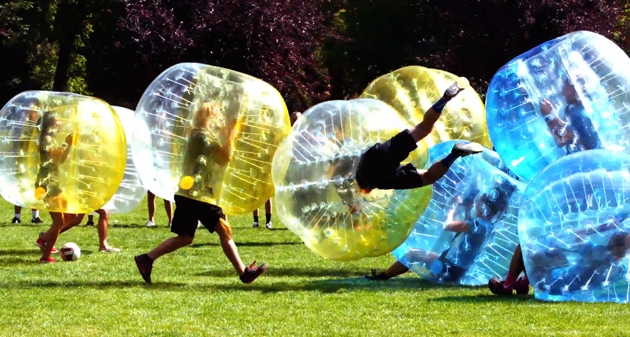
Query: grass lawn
[(197, 293)]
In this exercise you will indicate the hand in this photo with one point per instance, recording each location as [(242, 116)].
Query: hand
[(546, 107), (69, 139)]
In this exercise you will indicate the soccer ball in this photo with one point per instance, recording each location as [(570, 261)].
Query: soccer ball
[(70, 251)]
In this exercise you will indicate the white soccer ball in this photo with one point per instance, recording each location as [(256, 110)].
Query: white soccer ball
[(70, 251)]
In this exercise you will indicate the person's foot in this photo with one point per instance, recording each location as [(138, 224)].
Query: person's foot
[(16, 220), (36, 220), (252, 272), (47, 260), (145, 266), (256, 224), (41, 243), (521, 286), (496, 287), (109, 250), (268, 225), (460, 84), (377, 277), (465, 149), (89, 223), (199, 224), (150, 223)]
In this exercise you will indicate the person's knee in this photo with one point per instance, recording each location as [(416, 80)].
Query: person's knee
[(103, 213), (185, 240)]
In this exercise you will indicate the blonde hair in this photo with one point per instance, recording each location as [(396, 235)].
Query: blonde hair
[(209, 116)]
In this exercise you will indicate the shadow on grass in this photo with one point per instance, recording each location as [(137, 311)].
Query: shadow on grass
[(484, 298), (246, 244), (170, 286), (288, 272), (338, 285)]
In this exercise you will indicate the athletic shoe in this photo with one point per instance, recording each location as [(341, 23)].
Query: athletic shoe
[(268, 225), (252, 272), (89, 223), (16, 220), (150, 223), (464, 149), (496, 287), (521, 286), (48, 260), (109, 250), (36, 220), (145, 266), (40, 243), (377, 277), (256, 224)]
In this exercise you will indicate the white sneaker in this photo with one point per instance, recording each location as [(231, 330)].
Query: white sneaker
[(268, 225), (150, 224), (256, 225)]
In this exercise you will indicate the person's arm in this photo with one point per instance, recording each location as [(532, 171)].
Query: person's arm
[(65, 147), (561, 134), (223, 154), (457, 227)]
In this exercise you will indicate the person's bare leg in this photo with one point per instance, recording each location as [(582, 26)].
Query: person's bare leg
[(103, 226), (168, 207), (151, 205), (51, 236), (396, 269), (229, 247), (170, 245)]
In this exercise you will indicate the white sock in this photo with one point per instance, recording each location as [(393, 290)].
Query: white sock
[(17, 215), (35, 213)]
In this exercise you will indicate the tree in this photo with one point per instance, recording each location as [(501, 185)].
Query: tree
[(275, 40)]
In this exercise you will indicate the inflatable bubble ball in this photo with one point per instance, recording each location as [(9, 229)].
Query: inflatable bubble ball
[(130, 192), (212, 136), (413, 90), (574, 228), (566, 95), (468, 232), (317, 196), (60, 151)]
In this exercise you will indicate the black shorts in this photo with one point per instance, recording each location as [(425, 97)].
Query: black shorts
[(188, 212), (379, 166), (449, 272)]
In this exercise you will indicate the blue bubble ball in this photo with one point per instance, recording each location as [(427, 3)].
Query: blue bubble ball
[(574, 228), (564, 96), (476, 191)]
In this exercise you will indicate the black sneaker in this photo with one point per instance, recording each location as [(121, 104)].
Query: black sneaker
[(377, 277), (145, 265), (464, 149), (252, 272), (16, 220), (36, 220), (89, 223)]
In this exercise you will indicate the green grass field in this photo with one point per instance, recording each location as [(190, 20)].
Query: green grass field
[(197, 293)]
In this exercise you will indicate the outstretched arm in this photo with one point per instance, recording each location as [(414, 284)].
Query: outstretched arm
[(223, 154)]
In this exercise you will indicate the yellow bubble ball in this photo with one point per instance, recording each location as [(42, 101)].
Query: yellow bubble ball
[(217, 125), (413, 90), (317, 196), (67, 152), (186, 183)]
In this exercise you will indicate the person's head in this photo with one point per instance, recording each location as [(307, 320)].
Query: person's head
[(491, 204), (294, 116), (209, 117), (619, 244), (569, 87), (50, 123)]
